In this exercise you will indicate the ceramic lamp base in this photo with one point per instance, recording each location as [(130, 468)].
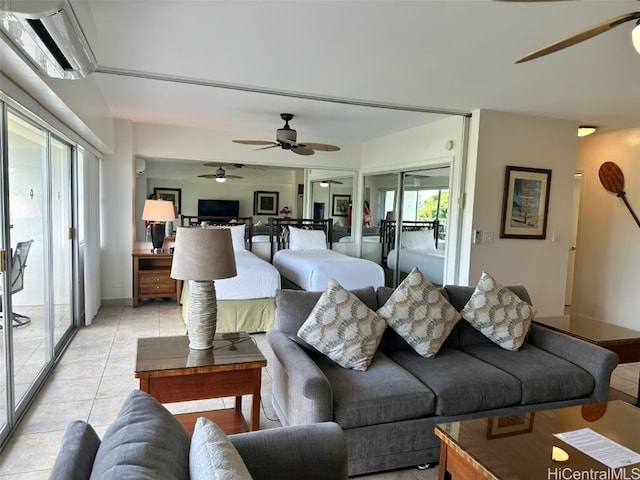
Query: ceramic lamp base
[(202, 314)]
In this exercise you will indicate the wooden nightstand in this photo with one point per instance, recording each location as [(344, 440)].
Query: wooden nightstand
[(152, 276)]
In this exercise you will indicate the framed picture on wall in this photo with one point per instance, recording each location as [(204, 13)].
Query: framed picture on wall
[(170, 194), (340, 205), (265, 203), (525, 203)]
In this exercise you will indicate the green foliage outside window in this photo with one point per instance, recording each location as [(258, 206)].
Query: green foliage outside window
[(429, 208)]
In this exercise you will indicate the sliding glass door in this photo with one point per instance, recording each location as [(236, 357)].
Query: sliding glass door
[(37, 246)]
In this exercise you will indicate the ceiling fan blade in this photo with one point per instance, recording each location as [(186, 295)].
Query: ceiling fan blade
[(302, 150), (337, 182), (253, 142), (273, 145), (233, 177), (322, 147), (581, 36), (208, 175)]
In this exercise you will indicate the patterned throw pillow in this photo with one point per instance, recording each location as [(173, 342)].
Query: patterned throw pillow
[(213, 456), (343, 328), (419, 313), (498, 313)]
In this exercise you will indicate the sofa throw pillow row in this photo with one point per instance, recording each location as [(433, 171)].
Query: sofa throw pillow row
[(343, 328), (419, 313), (498, 313), (213, 456)]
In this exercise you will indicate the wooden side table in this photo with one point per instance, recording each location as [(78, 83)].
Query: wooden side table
[(170, 372), (152, 276)]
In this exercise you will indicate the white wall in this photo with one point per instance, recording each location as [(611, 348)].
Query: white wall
[(117, 227), (607, 258), (498, 139)]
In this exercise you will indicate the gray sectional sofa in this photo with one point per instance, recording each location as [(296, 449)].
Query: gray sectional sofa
[(388, 413)]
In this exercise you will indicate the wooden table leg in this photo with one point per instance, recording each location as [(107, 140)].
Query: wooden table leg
[(255, 400), (443, 474)]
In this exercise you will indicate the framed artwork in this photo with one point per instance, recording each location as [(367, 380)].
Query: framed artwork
[(170, 194), (525, 203), (265, 203), (340, 205), (510, 425)]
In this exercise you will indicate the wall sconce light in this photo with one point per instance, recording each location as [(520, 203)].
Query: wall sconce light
[(584, 130)]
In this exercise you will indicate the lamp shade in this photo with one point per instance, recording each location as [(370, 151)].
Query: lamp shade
[(158, 211), (203, 254)]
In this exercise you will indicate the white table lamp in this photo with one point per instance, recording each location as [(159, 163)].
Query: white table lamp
[(158, 212), (202, 255)]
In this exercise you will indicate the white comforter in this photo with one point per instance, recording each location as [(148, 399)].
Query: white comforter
[(256, 279), (312, 269), (429, 261)]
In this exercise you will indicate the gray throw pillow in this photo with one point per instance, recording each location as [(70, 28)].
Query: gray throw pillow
[(77, 452), (213, 456), (145, 442)]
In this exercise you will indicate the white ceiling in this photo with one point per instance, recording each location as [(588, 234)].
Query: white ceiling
[(450, 54)]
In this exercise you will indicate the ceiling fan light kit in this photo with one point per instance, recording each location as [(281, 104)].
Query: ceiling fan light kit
[(635, 36), (584, 130)]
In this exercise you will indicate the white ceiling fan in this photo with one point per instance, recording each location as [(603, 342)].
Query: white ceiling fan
[(286, 138), (585, 34)]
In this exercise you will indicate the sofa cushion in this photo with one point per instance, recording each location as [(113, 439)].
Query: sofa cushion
[(213, 456), (293, 307), (342, 327), (461, 382), (77, 452), (145, 442), (419, 313), (498, 313), (386, 393), (544, 376)]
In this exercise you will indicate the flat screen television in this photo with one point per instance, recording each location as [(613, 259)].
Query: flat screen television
[(218, 208)]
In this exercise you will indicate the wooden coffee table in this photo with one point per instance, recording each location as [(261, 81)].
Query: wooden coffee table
[(625, 342), (170, 372), (519, 447)]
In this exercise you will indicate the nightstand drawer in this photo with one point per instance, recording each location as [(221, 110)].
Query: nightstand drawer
[(155, 278)]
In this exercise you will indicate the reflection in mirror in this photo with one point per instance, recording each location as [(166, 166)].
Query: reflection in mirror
[(285, 185), (422, 204), (331, 195)]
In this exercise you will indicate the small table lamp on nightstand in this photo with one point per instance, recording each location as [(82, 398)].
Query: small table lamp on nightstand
[(201, 256), (158, 212)]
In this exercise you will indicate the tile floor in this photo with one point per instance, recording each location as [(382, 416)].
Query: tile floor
[(96, 374)]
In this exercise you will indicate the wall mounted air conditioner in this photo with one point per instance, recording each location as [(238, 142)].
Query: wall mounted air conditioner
[(48, 32)]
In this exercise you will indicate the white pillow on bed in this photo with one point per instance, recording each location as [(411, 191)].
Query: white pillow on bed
[(237, 236), (418, 240), (301, 239)]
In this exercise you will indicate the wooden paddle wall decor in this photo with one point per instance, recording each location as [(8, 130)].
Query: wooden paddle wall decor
[(612, 179)]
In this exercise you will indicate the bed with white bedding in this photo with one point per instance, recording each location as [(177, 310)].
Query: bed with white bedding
[(246, 302), (429, 261), (312, 269), (300, 253), (419, 247)]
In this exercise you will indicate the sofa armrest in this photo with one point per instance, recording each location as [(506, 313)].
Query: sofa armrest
[(301, 392), (309, 452), (596, 360)]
